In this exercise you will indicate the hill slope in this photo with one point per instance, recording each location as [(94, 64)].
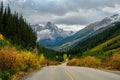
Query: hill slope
[(106, 55), (90, 30), (111, 32), (105, 49), (111, 44)]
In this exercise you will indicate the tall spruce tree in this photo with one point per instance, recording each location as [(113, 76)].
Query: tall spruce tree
[(16, 29)]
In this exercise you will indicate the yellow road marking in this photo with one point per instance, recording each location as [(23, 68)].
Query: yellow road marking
[(70, 76)]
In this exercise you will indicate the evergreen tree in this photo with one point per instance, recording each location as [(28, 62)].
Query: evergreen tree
[(1, 8), (16, 29), (109, 33), (1, 16)]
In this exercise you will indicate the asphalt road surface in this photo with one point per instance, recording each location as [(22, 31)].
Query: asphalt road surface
[(70, 73)]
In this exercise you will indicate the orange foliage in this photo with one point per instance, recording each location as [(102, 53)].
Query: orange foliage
[(73, 62), (9, 59), (13, 61), (114, 62), (1, 37), (89, 61), (86, 61)]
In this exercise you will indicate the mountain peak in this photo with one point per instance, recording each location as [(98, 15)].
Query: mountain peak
[(51, 26), (50, 32), (49, 23), (105, 21)]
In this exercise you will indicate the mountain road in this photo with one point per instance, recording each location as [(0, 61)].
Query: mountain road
[(62, 72)]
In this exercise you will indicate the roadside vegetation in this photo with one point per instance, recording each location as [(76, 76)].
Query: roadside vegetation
[(105, 55), (88, 61), (13, 61), (19, 51), (112, 31), (99, 51)]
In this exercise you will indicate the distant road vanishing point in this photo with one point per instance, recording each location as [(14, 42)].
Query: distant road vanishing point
[(70, 73)]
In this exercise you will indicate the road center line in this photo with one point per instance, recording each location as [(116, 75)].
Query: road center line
[(69, 75)]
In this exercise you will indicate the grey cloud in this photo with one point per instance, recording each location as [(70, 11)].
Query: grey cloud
[(80, 11), (72, 20), (83, 17), (61, 7)]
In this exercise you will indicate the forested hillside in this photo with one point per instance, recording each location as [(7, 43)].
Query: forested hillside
[(109, 33), (100, 51), (105, 55), (16, 29), (19, 51), (108, 48)]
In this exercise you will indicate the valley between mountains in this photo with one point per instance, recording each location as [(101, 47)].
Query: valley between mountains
[(57, 39), (47, 52)]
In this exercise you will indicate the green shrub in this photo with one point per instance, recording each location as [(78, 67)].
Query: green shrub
[(3, 43), (5, 75)]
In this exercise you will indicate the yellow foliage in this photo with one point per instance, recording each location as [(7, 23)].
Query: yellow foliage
[(54, 63), (12, 60), (42, 60), (1, 37), (9, 59), (73, 62), (29, 60), (114, 62), (100, 47), (65, 57), (89, 61)]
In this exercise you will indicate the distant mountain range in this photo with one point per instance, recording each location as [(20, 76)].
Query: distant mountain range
[(57, 39), (87, 32), (49, 34)]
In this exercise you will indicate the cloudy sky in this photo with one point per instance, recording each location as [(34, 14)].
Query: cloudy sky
[(67, 14)]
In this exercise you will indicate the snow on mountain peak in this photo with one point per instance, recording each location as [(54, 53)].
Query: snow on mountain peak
[(49, 31), (106, 21)]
